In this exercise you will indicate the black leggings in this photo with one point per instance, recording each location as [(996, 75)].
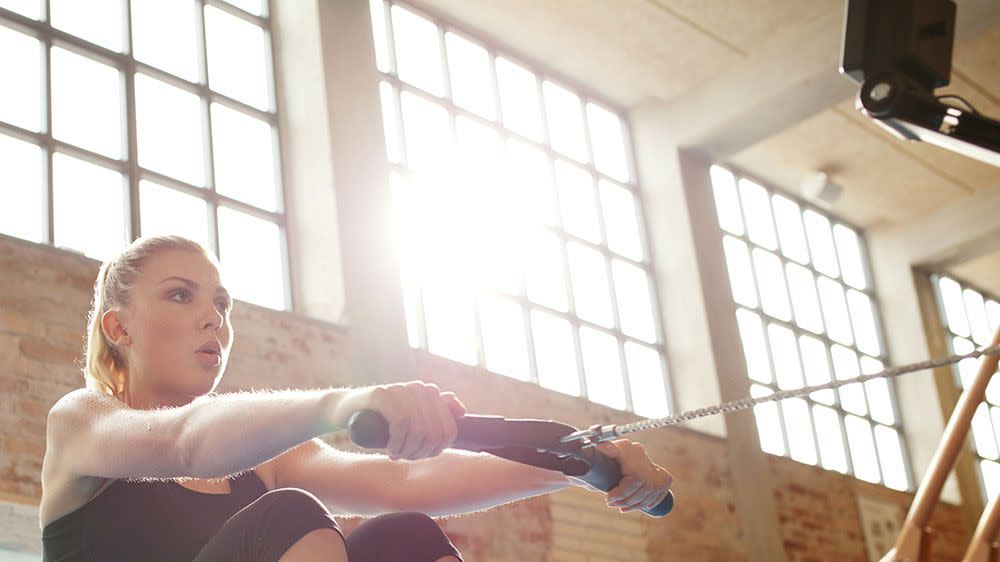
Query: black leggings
[(269, 526)]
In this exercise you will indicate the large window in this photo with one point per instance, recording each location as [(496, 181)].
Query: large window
[(518, 218), (971, 318), (806, 312), (121, 118)]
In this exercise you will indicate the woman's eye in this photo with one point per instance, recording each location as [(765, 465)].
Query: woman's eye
[(180, 292)]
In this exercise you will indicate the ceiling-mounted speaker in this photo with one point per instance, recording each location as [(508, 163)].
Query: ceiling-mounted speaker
[(817, 188)]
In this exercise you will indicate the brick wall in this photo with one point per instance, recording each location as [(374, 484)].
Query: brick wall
[(45, 296)]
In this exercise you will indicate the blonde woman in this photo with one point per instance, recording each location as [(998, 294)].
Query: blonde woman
[(148, 463)]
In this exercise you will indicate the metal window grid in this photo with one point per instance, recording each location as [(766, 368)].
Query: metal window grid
[(935, 278), (526, 306), (798, 331), (127, 66)]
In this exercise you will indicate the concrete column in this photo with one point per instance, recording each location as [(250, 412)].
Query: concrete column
[(703, 341), (345, 268)]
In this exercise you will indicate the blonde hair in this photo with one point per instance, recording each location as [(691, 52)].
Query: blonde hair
[(104, 367)]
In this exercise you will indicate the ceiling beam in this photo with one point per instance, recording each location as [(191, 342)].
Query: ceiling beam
[(787, 80)]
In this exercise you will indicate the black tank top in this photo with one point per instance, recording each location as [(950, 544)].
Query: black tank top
[(154, 521)]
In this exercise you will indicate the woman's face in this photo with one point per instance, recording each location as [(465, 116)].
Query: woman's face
[(178, 305)]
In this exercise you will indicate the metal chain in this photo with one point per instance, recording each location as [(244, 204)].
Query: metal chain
[(599, 432)]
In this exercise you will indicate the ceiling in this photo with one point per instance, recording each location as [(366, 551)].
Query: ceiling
[(632, 51)]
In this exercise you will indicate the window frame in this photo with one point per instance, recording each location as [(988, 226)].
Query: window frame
[(934, 277), (870, 291), (494, 49), (128, 165)]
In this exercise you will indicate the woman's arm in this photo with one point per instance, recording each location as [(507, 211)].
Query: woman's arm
[(458, 481), (94, 434), (228, 433)]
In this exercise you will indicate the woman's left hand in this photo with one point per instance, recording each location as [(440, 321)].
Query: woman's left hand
[(643, 484)]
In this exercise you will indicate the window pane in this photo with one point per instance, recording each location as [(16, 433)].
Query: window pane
[(21, 96), (519, 99), (879, 395), (740, 274), (727, 206), (975, 308), (831, 296), (576, 197), (831, 438), (771, 282), (380, 35), (564, 113), (602, 366), (995, 418), (426, 132), (390, 127), (863, 320), (754, 346), (993, 314), (786, 357), (471, 79), (634, 306), (757, 210), (497, 245), (169, 134), (589, 277), (788, 217), (251, 255), (993, 393), (954, 306), (168, 211), (479, 153), (845, 366), (97, 21), (86, 103), (554, 353), (982, 433), (607, 139), (82, 191), (418, 50), (800, 430), (504, 344), (817, 365), (967, 368), (821, 243), (620, 220), (164, 36), (528, 170), (255, 7), (545, 277), (768, 424), (28, 8), (645, 377), (243, 148), (859, 436), (802, 286), (991, 478), (237, 58), (890, 451), (849, 250), (23, 206)]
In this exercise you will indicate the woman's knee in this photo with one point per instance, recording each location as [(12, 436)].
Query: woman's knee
[(400, 535)]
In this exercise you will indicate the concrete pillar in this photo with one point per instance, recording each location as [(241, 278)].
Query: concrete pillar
[(703, 341), (344, 267)]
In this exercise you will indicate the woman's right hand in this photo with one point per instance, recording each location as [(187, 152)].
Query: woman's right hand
[(421, 418)]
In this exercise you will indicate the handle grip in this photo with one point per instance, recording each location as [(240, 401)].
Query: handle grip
[(368, 428)]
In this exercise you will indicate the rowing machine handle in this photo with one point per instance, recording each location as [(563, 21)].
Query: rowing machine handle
[(368, 428)]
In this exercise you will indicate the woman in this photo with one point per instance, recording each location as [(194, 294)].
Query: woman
[(148, 463)]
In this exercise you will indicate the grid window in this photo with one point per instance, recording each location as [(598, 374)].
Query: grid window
[(971, 317), (517, 218), (806, 315), (122, 118)]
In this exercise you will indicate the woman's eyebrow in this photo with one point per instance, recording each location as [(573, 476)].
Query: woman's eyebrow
[(219, 290)]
